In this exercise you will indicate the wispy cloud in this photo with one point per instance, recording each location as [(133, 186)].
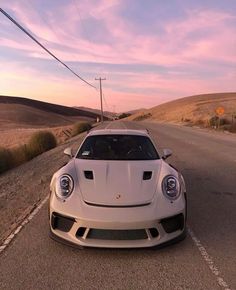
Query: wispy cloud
[(170, 55)]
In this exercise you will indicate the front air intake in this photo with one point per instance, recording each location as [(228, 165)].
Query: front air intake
[(88, 174), (62, 223), (80, 232), (105, 234), (147, 175), (173, 223)]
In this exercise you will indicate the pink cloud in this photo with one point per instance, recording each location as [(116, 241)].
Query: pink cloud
[(168, 49), (64, 35)]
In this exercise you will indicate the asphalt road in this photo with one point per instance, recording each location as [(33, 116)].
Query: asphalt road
[(204, 260)]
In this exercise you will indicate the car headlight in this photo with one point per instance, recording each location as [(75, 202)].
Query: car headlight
[(64, 186), (171, 187)]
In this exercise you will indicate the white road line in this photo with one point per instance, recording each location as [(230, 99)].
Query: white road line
[(209, 261), (108, 125), (9, 239)]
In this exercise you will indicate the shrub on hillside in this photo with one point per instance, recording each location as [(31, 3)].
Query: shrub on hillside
[(80, 127), (232, 128), (226, 127), (215, 121), (5, 159), (124, 115), (40, 142), (224, 121), (142, 117)]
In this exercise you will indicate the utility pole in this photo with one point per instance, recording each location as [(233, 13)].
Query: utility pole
[(100, 82)]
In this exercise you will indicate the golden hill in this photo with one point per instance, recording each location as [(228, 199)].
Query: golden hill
[(195, 109)]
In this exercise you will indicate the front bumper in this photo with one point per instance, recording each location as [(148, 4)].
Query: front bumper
[(116, 234)]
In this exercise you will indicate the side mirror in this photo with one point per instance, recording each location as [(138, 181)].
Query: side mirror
[(166, 153), (68, 151)]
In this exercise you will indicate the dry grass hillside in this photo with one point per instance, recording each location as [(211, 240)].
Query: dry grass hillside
[(21, 117), (197, 109), (135, 111), (18, 112)]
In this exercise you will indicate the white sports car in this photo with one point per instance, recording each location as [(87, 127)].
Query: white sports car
[(117, 191)]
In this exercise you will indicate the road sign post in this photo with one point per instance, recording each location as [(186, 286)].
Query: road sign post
[(219, 112)]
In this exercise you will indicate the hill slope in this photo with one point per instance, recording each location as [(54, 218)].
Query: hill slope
[(23, 112), (199, 108)]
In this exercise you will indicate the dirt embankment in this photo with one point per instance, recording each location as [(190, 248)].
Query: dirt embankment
[(22, 188)]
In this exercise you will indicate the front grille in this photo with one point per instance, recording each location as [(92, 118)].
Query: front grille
[(102, 234)]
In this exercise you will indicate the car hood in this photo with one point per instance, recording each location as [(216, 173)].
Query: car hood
[(117, 183)]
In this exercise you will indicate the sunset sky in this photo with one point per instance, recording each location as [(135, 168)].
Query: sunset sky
[(149, 51)]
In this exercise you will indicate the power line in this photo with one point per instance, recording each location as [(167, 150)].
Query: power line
[(43, 47), (105, 101), (110, 108)]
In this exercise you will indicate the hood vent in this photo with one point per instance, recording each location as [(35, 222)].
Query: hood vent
[(147, 175), (88, 174)]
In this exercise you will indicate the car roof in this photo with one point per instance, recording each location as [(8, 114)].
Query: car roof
[(118, 132)]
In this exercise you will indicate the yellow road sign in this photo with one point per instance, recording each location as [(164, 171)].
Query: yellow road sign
[(220, 111)]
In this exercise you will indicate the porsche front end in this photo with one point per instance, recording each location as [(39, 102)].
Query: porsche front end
[(117, 203)]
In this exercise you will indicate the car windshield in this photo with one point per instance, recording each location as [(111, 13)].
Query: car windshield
[(118, 147)]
